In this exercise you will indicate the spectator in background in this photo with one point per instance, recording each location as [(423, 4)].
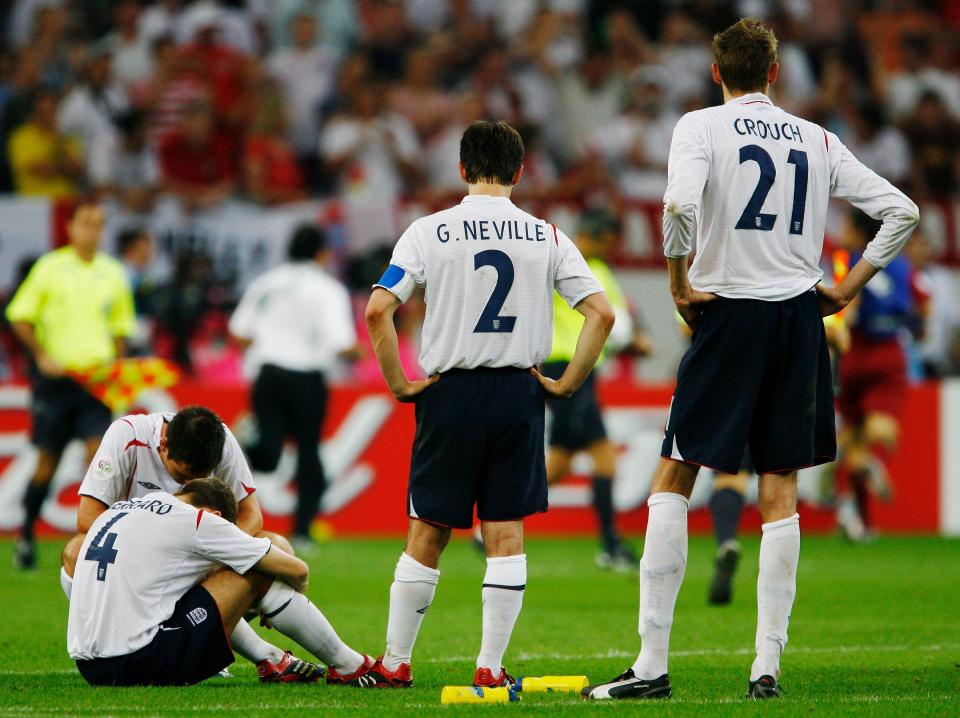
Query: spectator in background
[(636, 144), (181, 304), (160, 19), (296, 322), (934, 138), (877, 144), (271, 173), (132, 58), (135, 250), (591, 97), (43, 162), (307, 72), (17, 107), (177, 82), (49, 40), (336, 19), (418, 97), (939, 344), (918, 76), (73, 313), (88, 109), (196, 164), (373, 152), (121, 164)]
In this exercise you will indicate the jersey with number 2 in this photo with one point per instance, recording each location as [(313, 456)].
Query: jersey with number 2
[(489, 271)]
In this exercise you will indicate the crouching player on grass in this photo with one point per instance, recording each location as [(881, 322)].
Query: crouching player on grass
[(164, 579)]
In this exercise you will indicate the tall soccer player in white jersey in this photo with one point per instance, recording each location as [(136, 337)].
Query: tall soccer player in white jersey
[(142, 453), (755, 182), (163, 581), (490, 270)]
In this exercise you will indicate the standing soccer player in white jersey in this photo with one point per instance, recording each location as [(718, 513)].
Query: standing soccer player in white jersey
[(142, 453), (490, 270), (153, 604), (755, 181)]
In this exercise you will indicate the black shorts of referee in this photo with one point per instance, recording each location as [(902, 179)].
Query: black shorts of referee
[(576, 423)]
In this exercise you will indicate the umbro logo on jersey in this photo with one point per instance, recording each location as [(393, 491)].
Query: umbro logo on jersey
[(197, 616), (148, 485)]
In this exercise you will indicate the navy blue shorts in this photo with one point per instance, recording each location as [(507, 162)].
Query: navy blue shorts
[(757, 375), (577, 422), (190, 647), (479, 442)]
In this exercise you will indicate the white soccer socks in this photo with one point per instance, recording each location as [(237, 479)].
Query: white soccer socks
[(776, 588), (410, 596), (295, 616), (503, 587), (661, 573), (248, 644)]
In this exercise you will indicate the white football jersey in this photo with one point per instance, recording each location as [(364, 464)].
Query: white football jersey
[(756, 181), (489, 269), (138, 559), (127, 464)]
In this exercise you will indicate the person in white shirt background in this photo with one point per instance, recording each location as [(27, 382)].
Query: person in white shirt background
[(297, 324), (755, 181)]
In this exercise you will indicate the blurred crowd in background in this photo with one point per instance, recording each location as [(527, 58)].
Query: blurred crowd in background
[(277, 101)]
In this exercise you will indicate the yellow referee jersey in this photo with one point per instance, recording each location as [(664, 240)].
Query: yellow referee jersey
[(567, 322), (76, 308)]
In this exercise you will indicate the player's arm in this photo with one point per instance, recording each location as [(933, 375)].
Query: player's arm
[(599, 318), (688, 169), (382, 306), (250, 516), (866, 190), (234, 470), (88, 511), (24, 311), (286, 567)]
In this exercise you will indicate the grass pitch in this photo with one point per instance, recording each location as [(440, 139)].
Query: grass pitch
[(875, 632)]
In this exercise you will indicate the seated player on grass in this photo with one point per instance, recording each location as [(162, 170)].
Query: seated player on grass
[(142, 453), (162, 581)]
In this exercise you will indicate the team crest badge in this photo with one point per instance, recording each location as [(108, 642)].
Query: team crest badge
[(197, 616)]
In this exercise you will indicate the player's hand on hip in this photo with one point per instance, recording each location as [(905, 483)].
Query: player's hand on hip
[(414, 388), (831, 300), (690, 307), (551, 386)]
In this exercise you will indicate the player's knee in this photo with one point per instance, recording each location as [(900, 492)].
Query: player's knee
[(71, 553), (674, 477), (778, 496), (425, 542), (604, 458), (279, 541)]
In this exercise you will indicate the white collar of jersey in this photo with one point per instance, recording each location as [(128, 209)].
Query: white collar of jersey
[(752, 98), (485, 198)]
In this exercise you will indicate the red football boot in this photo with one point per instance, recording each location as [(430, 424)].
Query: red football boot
[(335, 678), (378, 676), (484, 678), (290, 669)]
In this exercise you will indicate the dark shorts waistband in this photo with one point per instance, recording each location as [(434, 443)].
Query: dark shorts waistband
[(489, 370)]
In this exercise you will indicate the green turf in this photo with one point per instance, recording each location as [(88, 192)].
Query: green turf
[(875, 631)]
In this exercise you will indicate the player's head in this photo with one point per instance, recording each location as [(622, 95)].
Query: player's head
[(135, 246), (597, 232), (85, 227), (211, 494), (193, 444), (745, 57), (858, 229), (491, 153), (307, 244)]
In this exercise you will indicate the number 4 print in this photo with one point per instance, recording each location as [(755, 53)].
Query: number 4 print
[(101, 548)]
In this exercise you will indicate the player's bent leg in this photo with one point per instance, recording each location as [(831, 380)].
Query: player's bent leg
[(279, 541), (777, 580), (558, 463), (661, 573), (503, 586), (25, 554)]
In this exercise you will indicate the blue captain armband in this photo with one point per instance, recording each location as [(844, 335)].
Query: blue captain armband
[(396, 281)]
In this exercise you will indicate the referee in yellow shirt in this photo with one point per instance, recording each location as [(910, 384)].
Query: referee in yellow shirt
[(73, 312), (577, 423)]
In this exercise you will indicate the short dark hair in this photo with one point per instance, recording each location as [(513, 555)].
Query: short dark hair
[(195, 437), (864, 225), (306, 241), (129, 237), (211, 493), (491, 152), (745, 52)]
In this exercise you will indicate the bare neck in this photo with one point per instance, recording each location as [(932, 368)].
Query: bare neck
[(490, 188), (728, 95)]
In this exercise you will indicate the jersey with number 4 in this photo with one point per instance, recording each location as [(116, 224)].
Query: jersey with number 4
[(489, 271), (755, 182), (139, 557)]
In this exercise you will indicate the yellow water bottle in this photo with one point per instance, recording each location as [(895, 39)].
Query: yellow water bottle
[(470, 694), (551, 684)]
